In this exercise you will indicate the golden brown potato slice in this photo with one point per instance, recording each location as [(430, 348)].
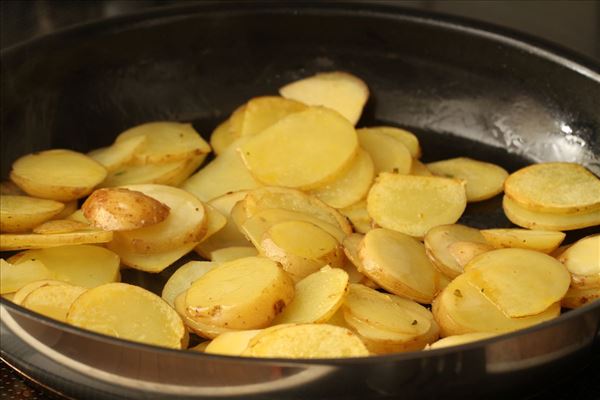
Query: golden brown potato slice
[(304, 150), (582, 260), (544, 241), (150, 262), (419, 169), (577, 297), (128, 312), (306, 341), (61, 175), (358, 216), (483, 180), (231, 343), (222, 137), (162, 174), (118, 154), (397, 263), (317, 297), (24, 241), (53, 301), (232, 253), (388, 153), (182, 279), (14, 276), (20, 294), (262, 112), (408, 139), (457, 340), (22, 213), (557, 187), (340, 91), (247, 293), (60, 226), (415, 204)]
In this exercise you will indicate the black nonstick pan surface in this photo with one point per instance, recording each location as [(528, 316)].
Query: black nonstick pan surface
[(465, 89)]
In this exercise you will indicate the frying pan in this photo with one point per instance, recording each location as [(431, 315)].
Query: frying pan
[(464, 88)]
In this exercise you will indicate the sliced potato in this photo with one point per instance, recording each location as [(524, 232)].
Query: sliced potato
[(182, 279), (557, 187), (232, 253), (11, 189), (544, 241), (128, 312), (353, 266), (161, 174), (304, 150), (118, 154), (222, 137), (582, 260), (419, 169), (60, 226), (53, 301), (358, 216), (61, 175), (576, 297), (464, 252), (22, 213), (247, 293), (415, 204), (483, 180), (262, 112), (388, 153), (408, 139), (150, 262), (20, 294), (200, 347), (340, 91), (231, 343), (23, 241), (199, 328), (14, 276), (215, 221), (70, 208), (458, 340)]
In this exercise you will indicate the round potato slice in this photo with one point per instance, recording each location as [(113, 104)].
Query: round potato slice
[(23, 241), (53, 301), (582, 260), (483, 180), (576, 297), (118, 154), (544, 241), (128, 312), (160, 174), (388, 153), (358, 216), (262, 112), (247, 293), (149, 262), (408, 139), (557, 187), (60, 226), (304, 150), (231, 343), (201, 329), (13, 277), (415, 204), (232, 253), (458, 340), (397, 263), (306, 341), (317, 297), (182, 279), (22, 213), (61, 175), (353, 266), (30, 287)]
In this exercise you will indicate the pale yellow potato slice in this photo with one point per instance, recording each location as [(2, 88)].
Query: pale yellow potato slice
[(262, 112), (161, 174), (53, 301), (232, 253), (483, 180), (20, 294), (551, 221), (306, 341), (60, 226), (128, 312), (316, 297), (150, 262), (388, 153), (351, 186), (576, 297), (215, 221), (397, 263), (24, 241), (419, 169), (190, 167), (415, 204), (226, 173), (165, 142), (182, 279), (442, 281), (118, 154), (462, 308), (78, 216), (557, 187), (437, 242), (408, 139), (544, 241), (61, 175), (22, 213), (14, 276), (457, 340), (358, 216), (340, 91), (464, 252), (185, 223), (300, 247), (201, 329), (70, 208), (222, 137), (304, 150), (236, 120), (247, 293), (353, 266), (231, 343), (582, 260), (82, 265)]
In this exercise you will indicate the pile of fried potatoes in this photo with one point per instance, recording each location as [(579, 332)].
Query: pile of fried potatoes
[(308, 237)]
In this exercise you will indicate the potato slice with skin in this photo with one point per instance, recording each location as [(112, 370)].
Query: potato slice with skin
[(358, 216), (232, 253), (128, 312), (60, 226), (419, 169), (30, 287), (457, 340), (415, 204), (582, 260), (351, 186), (59, 174), (23, 241), (14, 276), (118, 154), (306, 341), (519, 282), (340, 91), (304, 150), (201, 329), (262, 112), (397, 263), (182, 279), (388, 153), (556, 187), (231, 343), (544, 241), (483, 180), (53, 301), (576, 297), (150, 262), (160, 174), (22, 213), (317, 297), (247, 293), (408, 139)]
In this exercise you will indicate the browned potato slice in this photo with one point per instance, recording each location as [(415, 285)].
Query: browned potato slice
[(53, 301), (306, 341), (182, 279), (247, 293), (419, 169), (62, 175), (232, 253), (161, 174), (457, 340), (304, 150), (20, 294), (544, 241), (128, 312), (150, 262), (118, 154), (397, 263), (340, 91), (408, 139), (358, 216), (388, 153), (60, 226), (14, 276), (415, 204), (557, 187), (462, 308), (201, 329), (23, 241), (582, 260), (551, 221), (22, 213), (576, 297), (262, 112), (317, 297), (231, 343), (222, 137), (483, 180)]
